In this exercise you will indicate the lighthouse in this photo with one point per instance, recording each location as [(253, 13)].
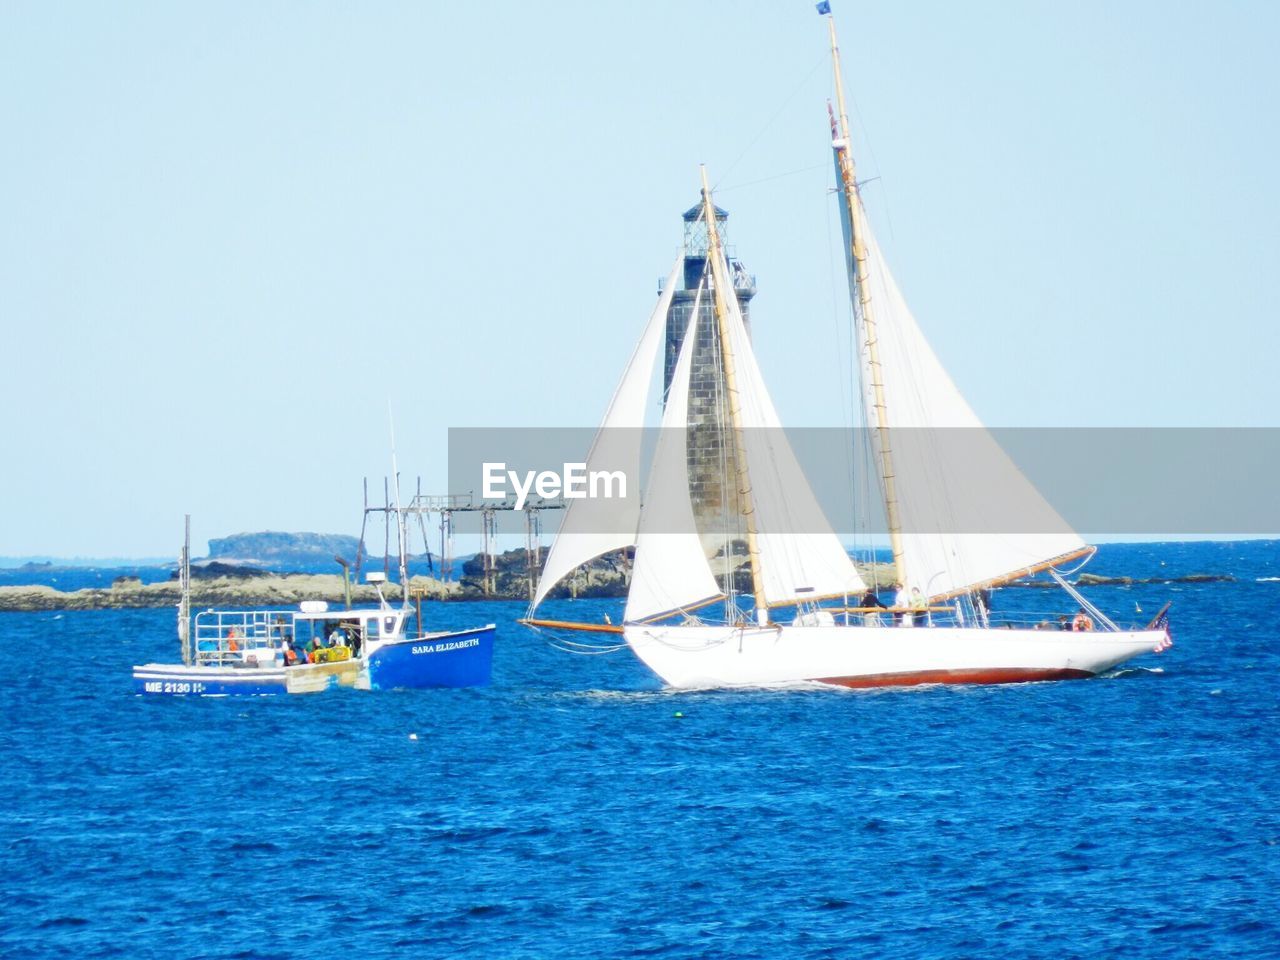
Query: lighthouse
[(711, 459)]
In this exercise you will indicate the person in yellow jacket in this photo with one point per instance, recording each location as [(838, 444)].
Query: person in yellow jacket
[(919, 605)]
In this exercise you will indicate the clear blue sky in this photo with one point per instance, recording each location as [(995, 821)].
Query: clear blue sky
[(231, 232)]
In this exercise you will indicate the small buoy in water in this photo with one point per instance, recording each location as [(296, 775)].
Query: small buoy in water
[(413, 736), (679, 715)]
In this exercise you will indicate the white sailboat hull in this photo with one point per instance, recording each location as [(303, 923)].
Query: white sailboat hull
[(860, 656)]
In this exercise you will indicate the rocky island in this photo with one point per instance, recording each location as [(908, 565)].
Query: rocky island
[(281, 551)]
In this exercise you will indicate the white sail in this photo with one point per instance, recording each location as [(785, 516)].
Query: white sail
[(968, 515), (671, 572), (584, 532), (800, 557)]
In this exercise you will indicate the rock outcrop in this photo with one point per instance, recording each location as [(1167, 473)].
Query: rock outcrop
[(1095, 580), (606, 576)]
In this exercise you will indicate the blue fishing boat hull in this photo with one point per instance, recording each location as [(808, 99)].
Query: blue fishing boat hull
[(460, 659)]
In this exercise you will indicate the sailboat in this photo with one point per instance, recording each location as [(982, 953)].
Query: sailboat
[(802, 620)]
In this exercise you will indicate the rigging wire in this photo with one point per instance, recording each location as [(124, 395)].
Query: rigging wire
[(768, 123), (845, 365), (722, 418), (776, 176), (557, 642), (866, 440), (871, 152)]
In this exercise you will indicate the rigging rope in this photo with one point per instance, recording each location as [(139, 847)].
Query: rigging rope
[(557, 642), (768, 123), (776, 176)]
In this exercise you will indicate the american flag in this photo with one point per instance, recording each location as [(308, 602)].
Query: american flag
[(1162, 623)]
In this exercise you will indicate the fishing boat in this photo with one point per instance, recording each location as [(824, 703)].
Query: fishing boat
[(313, 647), (801, 619)]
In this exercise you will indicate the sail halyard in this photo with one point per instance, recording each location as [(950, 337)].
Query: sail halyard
[(856, 256), (723, 288)]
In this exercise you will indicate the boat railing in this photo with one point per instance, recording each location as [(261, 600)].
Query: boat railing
[(946, 617), (233, 637)]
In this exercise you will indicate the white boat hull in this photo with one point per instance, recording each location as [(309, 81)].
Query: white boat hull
[(860, 656)]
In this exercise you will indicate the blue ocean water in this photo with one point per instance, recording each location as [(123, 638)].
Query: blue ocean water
[(566, 809)]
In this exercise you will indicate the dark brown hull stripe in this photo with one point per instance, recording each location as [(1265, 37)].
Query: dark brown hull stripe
[(985, 675)]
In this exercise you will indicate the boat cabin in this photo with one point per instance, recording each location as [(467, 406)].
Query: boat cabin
[(257, 638)]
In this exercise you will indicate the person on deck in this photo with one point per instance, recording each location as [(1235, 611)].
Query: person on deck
[(869, 617), (919, 605), (901, 600)]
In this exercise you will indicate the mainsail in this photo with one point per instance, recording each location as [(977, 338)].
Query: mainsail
[(968, 515), (584, 533)]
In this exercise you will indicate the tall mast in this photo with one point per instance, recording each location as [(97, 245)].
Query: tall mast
[(841, 143), (724, 288)]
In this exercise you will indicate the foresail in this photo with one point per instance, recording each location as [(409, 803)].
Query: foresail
[(671, 572), (616, 447), (968, 514), (801, 558)]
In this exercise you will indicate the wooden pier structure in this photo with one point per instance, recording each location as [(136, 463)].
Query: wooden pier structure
[(437, 512)]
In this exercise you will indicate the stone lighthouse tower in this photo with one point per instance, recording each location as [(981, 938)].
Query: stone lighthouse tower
[(712, 464)]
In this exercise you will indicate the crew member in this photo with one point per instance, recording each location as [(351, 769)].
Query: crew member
[(869, 600), (919, 605), (901, 600)]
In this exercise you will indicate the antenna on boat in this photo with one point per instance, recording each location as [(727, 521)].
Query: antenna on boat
[(184, 601), (400, 530)]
